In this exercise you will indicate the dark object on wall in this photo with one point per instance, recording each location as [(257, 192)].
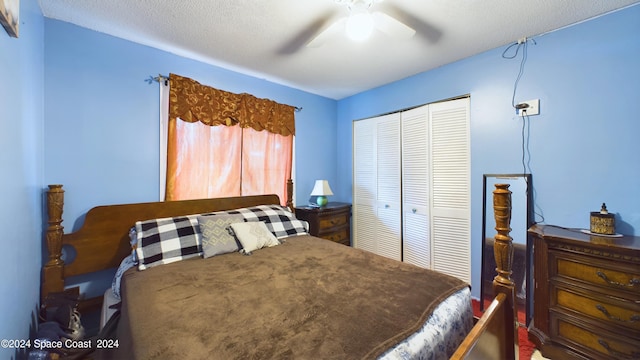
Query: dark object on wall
[(10, 16)]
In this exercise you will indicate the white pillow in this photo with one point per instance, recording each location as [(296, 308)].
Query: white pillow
[(254, 235)]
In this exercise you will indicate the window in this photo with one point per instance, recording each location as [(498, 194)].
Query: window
[(223, 144)]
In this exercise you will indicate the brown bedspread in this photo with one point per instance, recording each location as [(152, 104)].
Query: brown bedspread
[(306, 299)]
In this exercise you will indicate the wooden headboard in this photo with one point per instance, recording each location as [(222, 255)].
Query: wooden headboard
[(103, 240)]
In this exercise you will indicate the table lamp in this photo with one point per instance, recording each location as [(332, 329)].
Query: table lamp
[(321, 190)]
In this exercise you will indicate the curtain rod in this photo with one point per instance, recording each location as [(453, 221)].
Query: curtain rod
[(161, 77)]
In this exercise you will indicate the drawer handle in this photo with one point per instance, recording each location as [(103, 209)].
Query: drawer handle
[(617, 354), (633, 282), (633, 318)]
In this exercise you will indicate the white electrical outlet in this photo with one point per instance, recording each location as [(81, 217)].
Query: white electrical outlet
[(533, 108)]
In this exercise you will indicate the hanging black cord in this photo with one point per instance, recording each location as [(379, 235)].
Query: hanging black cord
[(526, 157), (519, 45), (526, 166), (525, 119)]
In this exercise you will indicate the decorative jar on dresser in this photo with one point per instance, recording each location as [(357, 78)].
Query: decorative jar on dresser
[(586, 295), (331, 222)]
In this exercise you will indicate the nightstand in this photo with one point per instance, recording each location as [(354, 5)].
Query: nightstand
[(331, 222)]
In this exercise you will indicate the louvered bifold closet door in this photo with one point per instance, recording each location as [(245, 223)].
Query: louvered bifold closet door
[(376, 185), (364, 185), (389, 228), (416, 237), (450, 188)]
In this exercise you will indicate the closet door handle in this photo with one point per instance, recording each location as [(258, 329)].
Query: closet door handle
[(414, 210), (386, 206)]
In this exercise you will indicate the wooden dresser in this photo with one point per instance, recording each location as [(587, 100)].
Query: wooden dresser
[(586, 295), (331, 222)]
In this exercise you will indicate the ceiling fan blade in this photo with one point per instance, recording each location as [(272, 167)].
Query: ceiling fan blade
[(302, 38), (335, 29), (391, 26), (424, 29)]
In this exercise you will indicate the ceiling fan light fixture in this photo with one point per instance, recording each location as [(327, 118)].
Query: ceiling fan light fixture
[(359, 26)]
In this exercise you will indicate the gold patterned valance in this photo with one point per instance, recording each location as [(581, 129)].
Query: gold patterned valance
[(191, 101)]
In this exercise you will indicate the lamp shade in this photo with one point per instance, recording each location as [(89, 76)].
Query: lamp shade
[(321, 188)]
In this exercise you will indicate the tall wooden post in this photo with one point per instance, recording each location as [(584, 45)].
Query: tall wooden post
[(503, 253), (52, 271), (289, 194)]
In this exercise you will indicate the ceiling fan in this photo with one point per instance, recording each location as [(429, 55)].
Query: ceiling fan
[(361, 22)]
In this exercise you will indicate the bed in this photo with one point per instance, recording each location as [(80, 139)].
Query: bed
[(303, 297)]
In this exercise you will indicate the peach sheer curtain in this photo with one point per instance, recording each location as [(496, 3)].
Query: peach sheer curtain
[(224, 144)]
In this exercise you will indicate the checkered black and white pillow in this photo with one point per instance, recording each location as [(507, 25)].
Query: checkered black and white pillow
[(167, 240), (281, 222)]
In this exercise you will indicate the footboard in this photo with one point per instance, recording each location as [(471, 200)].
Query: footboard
[(489, 338), (495, 335)]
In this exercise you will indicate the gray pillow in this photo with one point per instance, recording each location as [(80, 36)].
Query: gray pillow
[(217, 235)]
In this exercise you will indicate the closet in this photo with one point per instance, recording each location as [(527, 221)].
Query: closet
[(411, 186)]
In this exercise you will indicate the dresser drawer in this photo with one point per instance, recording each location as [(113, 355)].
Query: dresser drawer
[(331, 222), (340, 236), (609, 312), (602, 344), (601, 274)]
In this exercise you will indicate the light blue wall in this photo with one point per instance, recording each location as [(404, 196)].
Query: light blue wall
[(21, 118), (102, 118), (584, 144), (101, 127)]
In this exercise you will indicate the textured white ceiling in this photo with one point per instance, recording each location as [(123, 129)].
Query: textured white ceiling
[(265, 38)]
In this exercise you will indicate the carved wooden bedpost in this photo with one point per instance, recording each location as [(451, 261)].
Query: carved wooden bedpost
[(503, 250), (52, 271), (289, 202)]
